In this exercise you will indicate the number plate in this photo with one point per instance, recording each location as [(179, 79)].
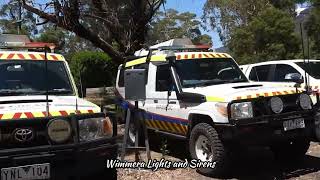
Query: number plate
[(293, 124), (35, 171)]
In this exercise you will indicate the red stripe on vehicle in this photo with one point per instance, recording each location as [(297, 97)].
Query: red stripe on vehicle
[(186, 56), (29, 115), (43, 57), (274, 93), (1, 55), (21, 56), (266, 94), (193, 56), (54, 57), (205, 55), (1, 116), (279, 93), (45, 113), (258, 95), (200, 55), (249, 97), (239, 98), (90, 111), (16, 116), (212, 55), (218, 55), (63, 113), (32, 56), (10, 56), (179, 57)]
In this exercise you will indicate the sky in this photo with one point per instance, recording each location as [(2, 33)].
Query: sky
[(194, 6)]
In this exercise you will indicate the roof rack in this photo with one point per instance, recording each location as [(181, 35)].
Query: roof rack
[(184, 48)]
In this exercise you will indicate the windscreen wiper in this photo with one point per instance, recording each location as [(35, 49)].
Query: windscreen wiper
[(212, 82), (10, 92), (56, 91)]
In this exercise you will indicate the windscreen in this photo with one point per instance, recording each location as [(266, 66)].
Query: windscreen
[(313, 69), (26, 77), (203, 72)]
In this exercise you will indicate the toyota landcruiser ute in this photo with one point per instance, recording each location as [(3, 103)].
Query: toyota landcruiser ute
[(46, 130), (204, 98)]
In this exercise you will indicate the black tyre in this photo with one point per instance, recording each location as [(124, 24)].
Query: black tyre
[(293, 150), (132, 134), (205, 145)]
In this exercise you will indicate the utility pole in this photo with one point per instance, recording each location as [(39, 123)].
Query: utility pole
[(19, 16)]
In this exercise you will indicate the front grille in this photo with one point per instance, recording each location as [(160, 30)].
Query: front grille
[(261, 105), (9, 139)]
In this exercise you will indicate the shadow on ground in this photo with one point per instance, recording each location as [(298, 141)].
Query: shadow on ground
[(253, 164)]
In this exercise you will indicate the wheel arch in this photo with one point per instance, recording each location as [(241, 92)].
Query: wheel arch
[(196, 117)]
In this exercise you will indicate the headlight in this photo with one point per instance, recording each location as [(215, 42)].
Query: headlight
[(95, 128), (241, 110), (59, 130), (305, 102), (276, 105)]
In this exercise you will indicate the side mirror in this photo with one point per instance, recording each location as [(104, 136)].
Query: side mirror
[(191, 97), (171, 58), (294, 77)]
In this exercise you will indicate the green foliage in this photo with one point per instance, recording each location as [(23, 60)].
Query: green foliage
[(9, 19), (227, 15), (313, 29), (54, 35), (96, 69), (173, 24), (270, 35)]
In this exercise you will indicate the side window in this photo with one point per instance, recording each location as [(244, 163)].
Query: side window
[(121, 78), (140, 66), (163, 78), (282, 73), (260, 73)]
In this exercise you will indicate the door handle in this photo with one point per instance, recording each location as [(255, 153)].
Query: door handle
[(172, 102)]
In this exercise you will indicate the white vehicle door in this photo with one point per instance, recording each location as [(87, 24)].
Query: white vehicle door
[(163, 108)]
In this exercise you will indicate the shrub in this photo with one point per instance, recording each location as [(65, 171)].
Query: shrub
[(96, 69)]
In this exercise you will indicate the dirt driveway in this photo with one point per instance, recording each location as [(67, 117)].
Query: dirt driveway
[(254, 164)]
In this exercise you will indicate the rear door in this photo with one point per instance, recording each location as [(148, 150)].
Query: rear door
[(262, 73)]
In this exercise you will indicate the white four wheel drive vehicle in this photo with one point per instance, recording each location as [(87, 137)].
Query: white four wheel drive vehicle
[(204, 98), (286, 73), (46, 130)]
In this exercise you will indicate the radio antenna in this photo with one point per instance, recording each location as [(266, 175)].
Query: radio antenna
[(304, 58), (46, 78)]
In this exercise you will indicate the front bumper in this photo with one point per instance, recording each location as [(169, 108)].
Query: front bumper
[(267, 130), (73, 160)]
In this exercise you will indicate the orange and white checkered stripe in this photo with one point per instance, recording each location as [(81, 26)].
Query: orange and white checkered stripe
[(30, 115), (202, 55), (268, 94), (30, 56)]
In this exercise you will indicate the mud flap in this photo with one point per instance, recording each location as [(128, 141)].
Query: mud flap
[(317, 126)]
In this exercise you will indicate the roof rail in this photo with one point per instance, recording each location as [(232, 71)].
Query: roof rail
[(183, 48)]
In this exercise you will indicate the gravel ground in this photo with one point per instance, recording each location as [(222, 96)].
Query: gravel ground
[(254, 164)]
